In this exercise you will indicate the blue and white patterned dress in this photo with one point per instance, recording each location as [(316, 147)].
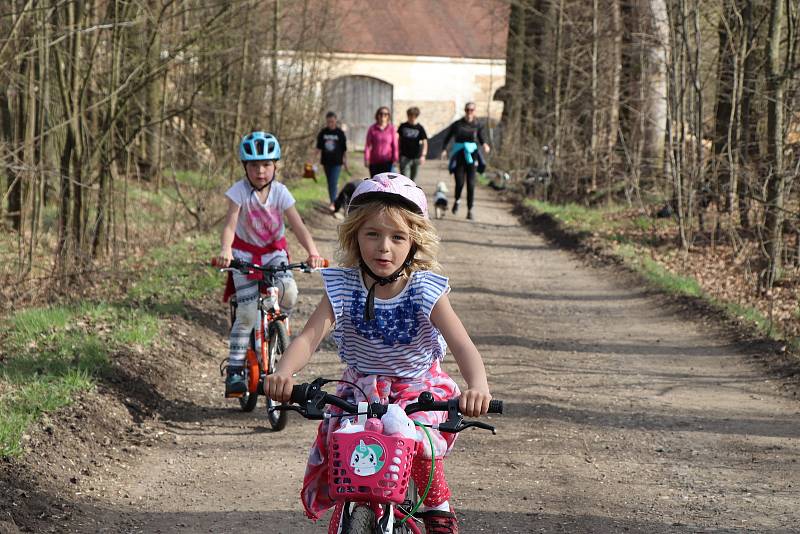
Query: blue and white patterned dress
[(401, 341)]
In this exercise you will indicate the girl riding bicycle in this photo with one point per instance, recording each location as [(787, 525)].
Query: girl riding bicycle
[(392, 323), (254, 232)]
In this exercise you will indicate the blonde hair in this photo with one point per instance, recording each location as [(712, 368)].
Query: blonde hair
[(421, 232)]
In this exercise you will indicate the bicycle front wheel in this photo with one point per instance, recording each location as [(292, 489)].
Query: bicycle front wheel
[(278, 341), (362, 521)]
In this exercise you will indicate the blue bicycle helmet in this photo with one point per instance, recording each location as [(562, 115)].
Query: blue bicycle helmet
[(259, 146)]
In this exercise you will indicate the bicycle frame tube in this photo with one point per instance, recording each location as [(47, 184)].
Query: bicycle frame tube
[(268, 311)]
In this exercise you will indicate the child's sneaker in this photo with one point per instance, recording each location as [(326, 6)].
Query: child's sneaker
[(234, 382), (438, 522)]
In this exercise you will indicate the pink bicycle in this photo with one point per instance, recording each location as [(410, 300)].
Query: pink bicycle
[(370, 472)]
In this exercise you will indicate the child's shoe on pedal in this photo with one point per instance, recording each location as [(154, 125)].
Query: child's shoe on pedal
[(234, 382), (439, 522)]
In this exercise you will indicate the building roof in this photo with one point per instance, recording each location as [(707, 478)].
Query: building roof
[(448, 28)]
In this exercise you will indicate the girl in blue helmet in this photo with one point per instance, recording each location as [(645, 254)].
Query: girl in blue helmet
[(254, 231)]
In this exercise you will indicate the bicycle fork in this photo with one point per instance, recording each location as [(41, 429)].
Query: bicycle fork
[(385, 521)]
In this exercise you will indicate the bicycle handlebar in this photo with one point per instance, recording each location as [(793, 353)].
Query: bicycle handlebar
[(312, 401), (245, 266)]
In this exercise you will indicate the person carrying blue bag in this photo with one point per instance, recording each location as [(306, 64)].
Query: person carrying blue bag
[(465, 158)]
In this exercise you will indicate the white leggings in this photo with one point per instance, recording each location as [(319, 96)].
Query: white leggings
[(247, 307)]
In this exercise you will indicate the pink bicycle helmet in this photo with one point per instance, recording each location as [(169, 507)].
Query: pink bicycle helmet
[(392, 188)]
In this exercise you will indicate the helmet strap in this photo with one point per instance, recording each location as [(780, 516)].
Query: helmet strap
[(266, 185), (259, 189), (369, 307)]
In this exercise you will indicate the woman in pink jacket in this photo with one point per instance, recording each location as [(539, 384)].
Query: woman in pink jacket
[(381, 150)]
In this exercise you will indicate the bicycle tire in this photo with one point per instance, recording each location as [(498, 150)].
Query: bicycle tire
[(278, 341), (362, 521), (248, 401)]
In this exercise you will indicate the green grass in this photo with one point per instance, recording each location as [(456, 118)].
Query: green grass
[(51, 354), (175, 274), (748, 315), (307, 192), (194, 179), (658, 275), (24, 405), (577, 217)]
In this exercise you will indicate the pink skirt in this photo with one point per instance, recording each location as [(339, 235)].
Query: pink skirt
[(385, 389)]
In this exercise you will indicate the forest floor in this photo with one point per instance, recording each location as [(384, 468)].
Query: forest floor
[(626, 411)]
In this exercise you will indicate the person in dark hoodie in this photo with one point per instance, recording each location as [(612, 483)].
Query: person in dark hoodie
[(465, 158)]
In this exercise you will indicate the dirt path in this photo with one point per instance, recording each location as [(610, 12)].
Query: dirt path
[(621, 416)]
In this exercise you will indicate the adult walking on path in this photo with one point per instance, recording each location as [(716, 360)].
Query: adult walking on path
[(465, 158), (622, 414), (380, 149), (332, 153), (413, 144)]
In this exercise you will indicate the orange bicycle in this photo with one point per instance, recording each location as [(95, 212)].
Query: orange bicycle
[(268, 340)]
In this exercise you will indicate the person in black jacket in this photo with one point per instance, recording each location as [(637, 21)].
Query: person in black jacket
[(332, 151), (467, 135)]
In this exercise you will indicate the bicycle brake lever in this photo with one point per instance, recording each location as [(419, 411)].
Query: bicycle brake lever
[(478, 424), (287, 408), (453, 425)]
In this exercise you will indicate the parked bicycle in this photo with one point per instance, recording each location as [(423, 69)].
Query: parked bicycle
[(268, 340), (369, 471)]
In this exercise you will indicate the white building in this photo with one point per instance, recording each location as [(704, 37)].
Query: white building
[(435, 54)]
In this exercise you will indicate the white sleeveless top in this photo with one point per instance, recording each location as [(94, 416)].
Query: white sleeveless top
[(401, 341)]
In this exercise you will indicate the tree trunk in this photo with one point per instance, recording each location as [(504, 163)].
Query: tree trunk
[(154, 88), (273, 95), (7, 133), (15, 187), (104, 198), (747, 150), (29, 176), (593, 143), (656, 105), (724, 108), (557, 73), (773, 220), (240, 99), (612, 129)]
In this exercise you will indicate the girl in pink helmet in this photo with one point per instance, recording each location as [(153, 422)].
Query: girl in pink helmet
[(392, 323)]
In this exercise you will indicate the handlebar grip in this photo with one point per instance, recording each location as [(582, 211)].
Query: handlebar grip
[(495, 406), (300, 393), (233, 264)]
